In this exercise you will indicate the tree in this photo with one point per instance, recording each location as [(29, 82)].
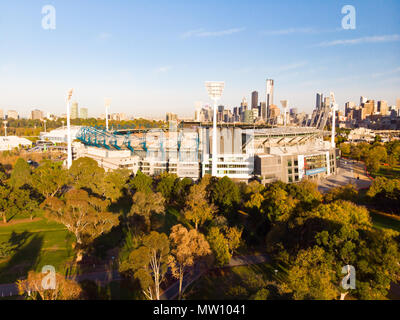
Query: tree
[(49, 178), (345, 148), (181, 190), (149, 263), (278, 204), (312, 277), (5, 205), (197, 208), (21, 174), (186, 247), (114, 183), (141, 183), (86, 174), (83, 215), (347, 192), (166, 185), (65, 289), (225, 194), (220, 246), (147, 204), (233, 236)]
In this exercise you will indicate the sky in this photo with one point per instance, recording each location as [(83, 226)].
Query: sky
[(153, 56)]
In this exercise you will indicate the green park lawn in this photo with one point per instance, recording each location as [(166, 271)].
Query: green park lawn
[(388, 172), (37, 243), (381, 220)]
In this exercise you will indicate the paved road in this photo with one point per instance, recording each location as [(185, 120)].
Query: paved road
[(348, 171), (172, 292)]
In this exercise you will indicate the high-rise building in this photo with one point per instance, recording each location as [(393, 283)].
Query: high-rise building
[(244, 104), (74, 110), (263, 110), (254, 99), (36, 114), (12, 114), (348, 108), (383, 107), (363, 100), (269, 96), (1, 114), (171, 117), (319, 101), (83, 113), (368, 106), (398, 103)]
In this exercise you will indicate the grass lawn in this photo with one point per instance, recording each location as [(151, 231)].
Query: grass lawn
[(37, 243), (387, 172), (232, 283), (384, 221)]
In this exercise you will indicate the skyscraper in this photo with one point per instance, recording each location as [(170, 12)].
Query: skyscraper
[(83, 113), (398, 103), (1, 114), (254, 99), (74, 110), (320, 99), (383, 108), (363, 100), (263, 111), (36, 114), (269, 96)]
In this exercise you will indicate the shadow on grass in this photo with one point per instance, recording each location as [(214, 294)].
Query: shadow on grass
[(24, 259)]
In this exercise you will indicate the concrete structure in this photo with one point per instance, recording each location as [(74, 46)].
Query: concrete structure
[(60, 135), (83, 113), (1, 114), (37, 115), (12, 142), (269, 97), (74, 110), (254, 99), (12, 114)]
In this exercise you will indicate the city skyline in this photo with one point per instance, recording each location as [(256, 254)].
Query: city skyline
[(153, 59)]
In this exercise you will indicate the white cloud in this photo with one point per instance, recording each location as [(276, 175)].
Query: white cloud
[(163, 69), (386, 73), (104, 36), (289, 31), (201, 33), (373, 39)]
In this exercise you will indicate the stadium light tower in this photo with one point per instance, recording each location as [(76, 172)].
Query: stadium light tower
[(107, 102), (334, 107), (215, 90), (284, 106), (69, 158)]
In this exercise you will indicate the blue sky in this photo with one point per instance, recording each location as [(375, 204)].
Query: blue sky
[(151, 57)]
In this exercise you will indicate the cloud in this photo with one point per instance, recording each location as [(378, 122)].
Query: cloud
[(201, 33), (386, 73), (293, 66), (373, 39), (289, 31), (163, 69), (104, 36)]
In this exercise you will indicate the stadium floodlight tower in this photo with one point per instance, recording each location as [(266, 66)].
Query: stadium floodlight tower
[(69, 157), (334, 107), (215, 90), (284, 106), (107, 103)]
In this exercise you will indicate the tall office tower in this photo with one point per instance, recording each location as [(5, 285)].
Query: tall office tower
[(293, 111), (1, 114), (348, 107), (383, 107), (398, 104), (244, 104), (263, 111), (83, 114), (363, 100), (36, 114), (254, 99), (368, 107), (74, 110), (327, 102), (269, 96), (319, 101), (171, 116)]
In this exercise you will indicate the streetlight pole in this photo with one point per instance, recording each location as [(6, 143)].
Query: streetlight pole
[(69, 158), (215, 90)]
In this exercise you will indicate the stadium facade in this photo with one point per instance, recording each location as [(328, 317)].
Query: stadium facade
[(289, 154)]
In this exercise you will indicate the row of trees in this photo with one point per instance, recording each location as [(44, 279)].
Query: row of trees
[(167, 223)]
